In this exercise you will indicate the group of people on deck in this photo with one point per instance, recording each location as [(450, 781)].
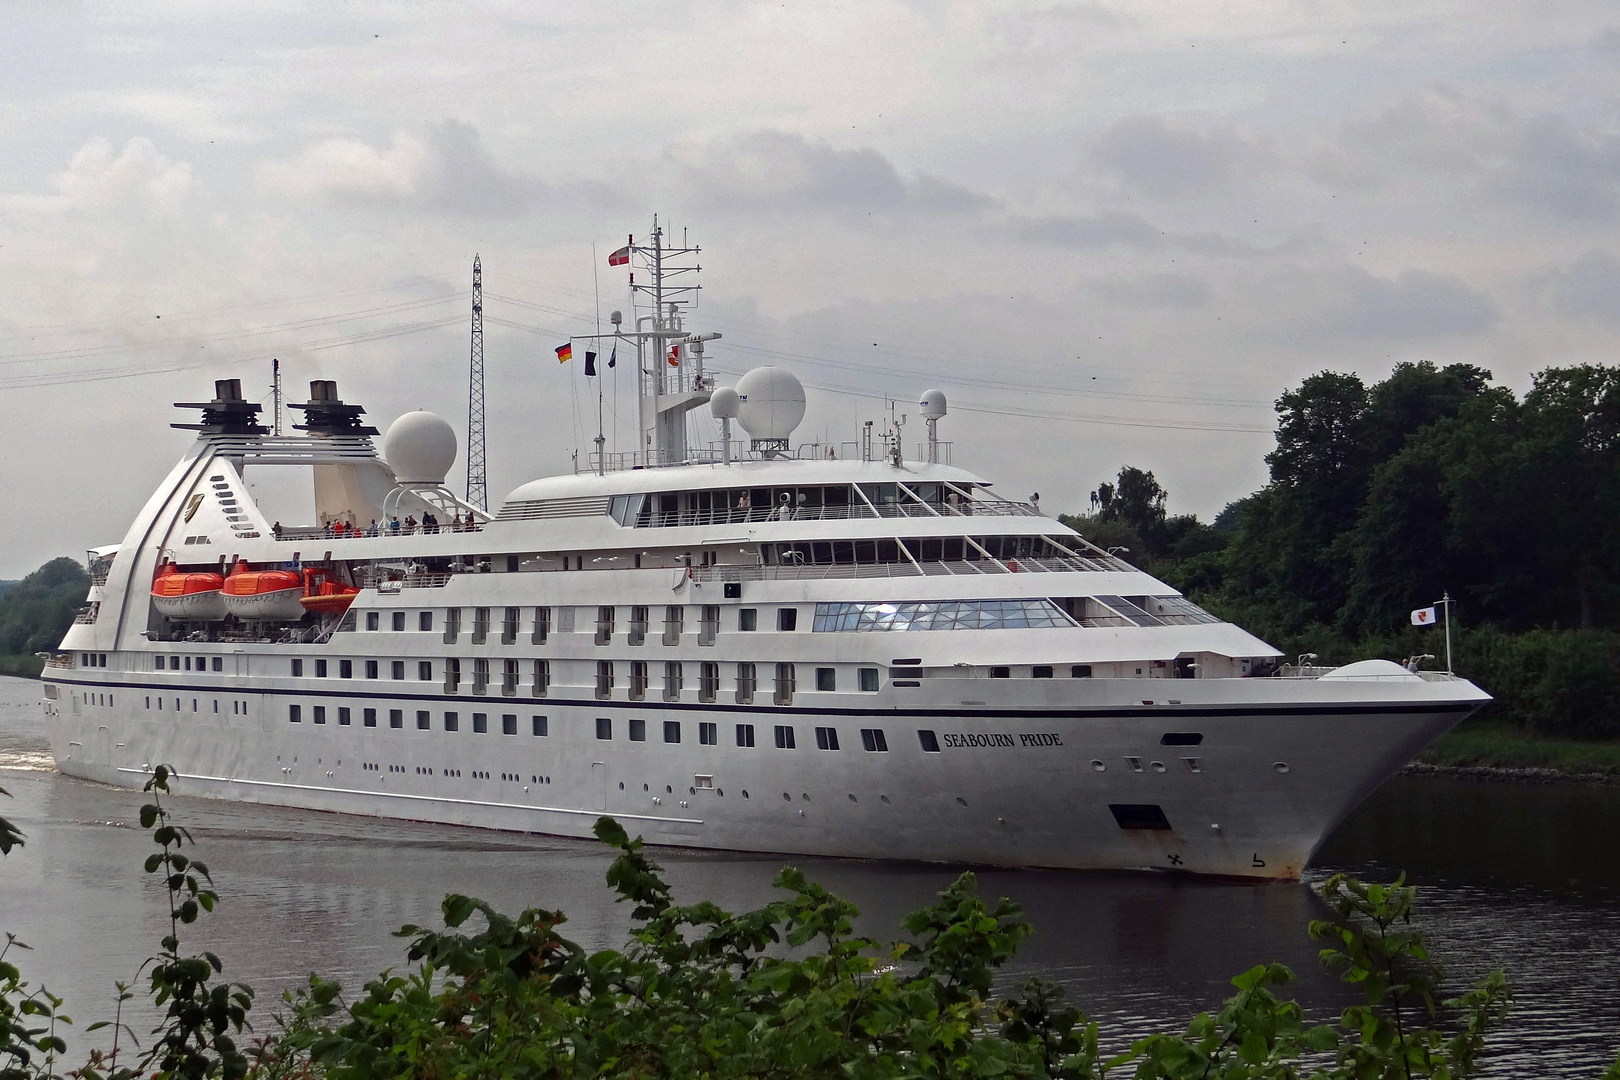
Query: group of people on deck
[(340, 529)]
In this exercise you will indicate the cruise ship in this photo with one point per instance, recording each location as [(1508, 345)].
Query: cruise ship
[(750, 645)]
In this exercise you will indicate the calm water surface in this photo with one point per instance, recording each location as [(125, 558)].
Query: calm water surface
[(1517, 876)]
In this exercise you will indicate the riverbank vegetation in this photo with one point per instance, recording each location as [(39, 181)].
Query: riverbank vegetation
[(786, 990), (36, 611), (1383, 498)]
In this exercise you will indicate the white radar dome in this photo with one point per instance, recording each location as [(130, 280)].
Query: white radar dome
[(770, 403), (933, 404), (724, 403), (420, 447)]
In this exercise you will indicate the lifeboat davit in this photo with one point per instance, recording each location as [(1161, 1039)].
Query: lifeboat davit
[(188, 596), (263, 594), (326, 597)]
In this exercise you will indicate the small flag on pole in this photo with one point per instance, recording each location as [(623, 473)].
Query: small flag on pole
[(620, 257), (674, 356), (613, 357), (1423, 616), (590, 364), (565, 353)]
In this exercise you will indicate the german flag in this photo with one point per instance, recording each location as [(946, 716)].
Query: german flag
[(565, 353)]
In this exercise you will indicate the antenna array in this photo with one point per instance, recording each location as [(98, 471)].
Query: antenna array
[(477, 490)]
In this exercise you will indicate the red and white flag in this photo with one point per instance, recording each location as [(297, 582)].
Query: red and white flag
[(620, 257), (1423, 616)]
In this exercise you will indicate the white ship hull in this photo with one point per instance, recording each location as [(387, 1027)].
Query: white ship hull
[(257, 607), (208, 606), (1016, 788)]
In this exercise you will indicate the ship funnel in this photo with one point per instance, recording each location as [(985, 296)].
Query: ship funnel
[(227, 389)]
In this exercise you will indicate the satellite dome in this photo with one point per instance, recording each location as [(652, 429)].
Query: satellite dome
[(770, 403), (420, 447), (933, 404), (724, 403)]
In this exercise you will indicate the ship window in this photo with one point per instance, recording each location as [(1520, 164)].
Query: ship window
[(604, 624), (422, 720), (396, 718), (1080, 671), (748, 618), (826, 738), (345, 716), (202, 663), (424, 621), (346, 669), (1001, 673), (542, 625), (509, 678), (452, 624), (745, 734), (673, 680), (297, 668), (509, 723), (371, 669), (452, 721), (785, 684), (318, 714), (188, 661), (480, 677), (604, 679), (1139, 816), (784, 737), (638, 730), (174, 663), (745, 684), (708, 681), (604, 727), (539, 726), (672, 731), (637, 690), (542, 677), (873, 740), (869, 679), (424, 670), (674, 620), (787, 619), (480, 723), (1181, 738), (565, 619), (396, 670), (939, 615), (452, 675), (1041, 671), (218, 663), (373, 620), (295, 713), (826, 678), (398, 621), (320, 669), (638, 626), (480, 629), (511, 564), (929, 741), (708, 734)]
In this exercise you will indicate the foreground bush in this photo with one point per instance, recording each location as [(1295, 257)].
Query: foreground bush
[(786, 990)]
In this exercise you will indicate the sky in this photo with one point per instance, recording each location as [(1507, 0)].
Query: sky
[(1113, 233)]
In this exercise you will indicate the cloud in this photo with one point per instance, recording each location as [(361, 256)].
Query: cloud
[(1416, 304), (1099, 230), (99, 178), (1589, 286), (1145, 154), (776, 171), (448, 172), (1574, 174), (1156, 291)]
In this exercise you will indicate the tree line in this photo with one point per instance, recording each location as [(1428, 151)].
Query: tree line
[(1382, 498)]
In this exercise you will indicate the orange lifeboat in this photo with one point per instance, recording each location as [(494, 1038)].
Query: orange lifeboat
[(263, 594), (324, 596), (187, 596)]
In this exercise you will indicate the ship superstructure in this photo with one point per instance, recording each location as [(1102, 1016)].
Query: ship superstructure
[(751, 646)]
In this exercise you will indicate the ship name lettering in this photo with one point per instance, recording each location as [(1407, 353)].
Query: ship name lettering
[(990, 740)]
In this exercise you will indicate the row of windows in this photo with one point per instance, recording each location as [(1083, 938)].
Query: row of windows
[(940, 615), (178, 663), (239, 707), (92, 659), (637, 626), (538, 726)]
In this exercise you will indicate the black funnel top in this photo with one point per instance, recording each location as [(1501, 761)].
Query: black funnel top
[(227, 414), (326, 414)]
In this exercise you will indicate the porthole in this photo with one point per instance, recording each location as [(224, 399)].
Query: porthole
[(805, 795), (884, 799), (745, 793), (1280, 766), (644, 787), (961, 801), (1098, 765), (668, 790), (720, 792), (1157, 766), (786, 797), (621, 785), (852, 797), (691, 791)]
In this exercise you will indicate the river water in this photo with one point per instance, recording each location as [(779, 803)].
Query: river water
[(1524, 877)]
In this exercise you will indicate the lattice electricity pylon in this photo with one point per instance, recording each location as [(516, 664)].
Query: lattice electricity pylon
[(477, 490)]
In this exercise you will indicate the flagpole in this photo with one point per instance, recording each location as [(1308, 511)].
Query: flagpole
[(601, 441), (1446, 600)]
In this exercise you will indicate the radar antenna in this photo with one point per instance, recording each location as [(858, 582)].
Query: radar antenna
[(477, 490)]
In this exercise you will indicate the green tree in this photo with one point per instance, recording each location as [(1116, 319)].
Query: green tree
[(37, 611)]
